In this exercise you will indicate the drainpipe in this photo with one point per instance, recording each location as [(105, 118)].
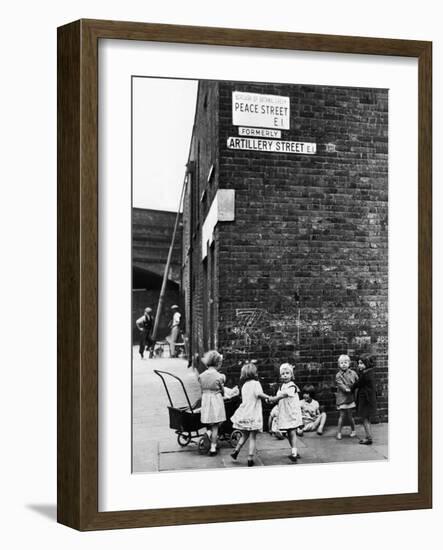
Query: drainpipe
[(167, 267)]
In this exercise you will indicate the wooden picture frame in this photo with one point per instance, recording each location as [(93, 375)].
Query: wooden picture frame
[(77, 460)]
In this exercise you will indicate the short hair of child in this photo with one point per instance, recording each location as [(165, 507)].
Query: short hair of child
[(367, 360), (343, 356), (309, 389), (248, 372), (212, 358)]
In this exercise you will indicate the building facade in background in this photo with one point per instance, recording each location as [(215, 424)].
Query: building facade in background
[(152, 232), (285, 229)]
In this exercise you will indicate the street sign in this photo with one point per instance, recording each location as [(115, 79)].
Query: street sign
[(272, 145), (260, 110), (259, 132)]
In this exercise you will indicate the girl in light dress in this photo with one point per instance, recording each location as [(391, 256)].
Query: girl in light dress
[(289, 416), (249, 416), (212, 404), (345, 380)]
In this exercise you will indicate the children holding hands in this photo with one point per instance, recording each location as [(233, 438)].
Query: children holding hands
[(248, 418), (289, 412), (289, 415)]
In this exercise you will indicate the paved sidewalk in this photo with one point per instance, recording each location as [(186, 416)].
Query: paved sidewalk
[(149, 407), (156, 447), (273, 452)]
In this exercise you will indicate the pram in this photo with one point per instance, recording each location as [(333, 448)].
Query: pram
[(186, 421)]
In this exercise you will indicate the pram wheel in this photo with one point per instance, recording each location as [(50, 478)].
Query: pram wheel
[(235, 438), (183, 439), (204, 444)]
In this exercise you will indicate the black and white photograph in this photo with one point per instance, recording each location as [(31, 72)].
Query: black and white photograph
[(260, 274), (216, 216)]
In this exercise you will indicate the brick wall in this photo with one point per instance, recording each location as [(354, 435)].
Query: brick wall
[(202, 184), (303, 269)]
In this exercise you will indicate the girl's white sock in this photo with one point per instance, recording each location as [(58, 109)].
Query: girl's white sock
[(213, 447), (294, 451)]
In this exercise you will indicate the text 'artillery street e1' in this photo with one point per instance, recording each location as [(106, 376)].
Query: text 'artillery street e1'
[(272, 145)]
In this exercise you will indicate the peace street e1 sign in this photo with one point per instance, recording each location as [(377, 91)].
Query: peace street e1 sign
[(250, 110), (260, 110)]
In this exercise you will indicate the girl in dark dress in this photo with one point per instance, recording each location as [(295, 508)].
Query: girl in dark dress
[(366, 395)]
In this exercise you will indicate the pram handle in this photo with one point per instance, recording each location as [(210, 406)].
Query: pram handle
[(160, 373)]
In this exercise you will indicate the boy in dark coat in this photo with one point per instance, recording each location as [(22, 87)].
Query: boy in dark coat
[(366, 395)]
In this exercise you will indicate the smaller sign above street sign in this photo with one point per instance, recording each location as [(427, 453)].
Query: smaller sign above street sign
[(260, 110), (272, 145), (259, 132)]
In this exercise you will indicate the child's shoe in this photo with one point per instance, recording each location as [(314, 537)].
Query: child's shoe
[(352, 434), (250, 462), (293, 457), (338, 436), (234, 455), (366, 441)]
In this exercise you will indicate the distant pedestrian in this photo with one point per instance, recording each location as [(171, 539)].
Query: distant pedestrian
[(145, 325), (248, 418), (212, 404), (366, 395), (175, 329), (289, 411), (345, 380), (313, 418)]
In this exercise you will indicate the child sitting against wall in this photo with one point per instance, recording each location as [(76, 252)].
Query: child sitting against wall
[(313, 418)]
